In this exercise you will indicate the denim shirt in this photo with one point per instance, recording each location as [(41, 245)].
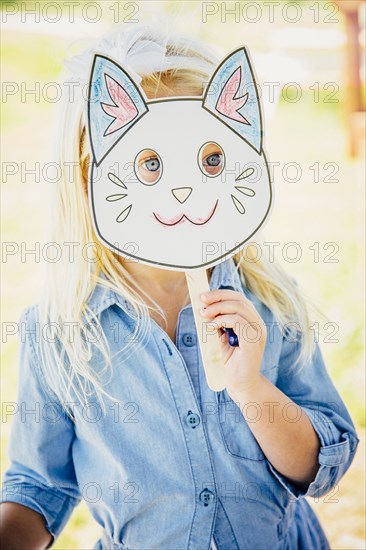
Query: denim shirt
[(176, 463)]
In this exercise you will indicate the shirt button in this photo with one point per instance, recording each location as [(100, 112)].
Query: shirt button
[(206, 497), (192, 419), (189, 340)]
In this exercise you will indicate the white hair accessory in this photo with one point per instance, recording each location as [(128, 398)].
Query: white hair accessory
[(138, 57)]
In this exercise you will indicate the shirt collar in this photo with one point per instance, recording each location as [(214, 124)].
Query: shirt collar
[(225, 274)]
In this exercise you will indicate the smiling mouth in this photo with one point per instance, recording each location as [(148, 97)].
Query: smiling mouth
[(181, 218)]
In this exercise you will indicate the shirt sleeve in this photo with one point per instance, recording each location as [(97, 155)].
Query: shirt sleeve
[(312, 389), (41, 474)]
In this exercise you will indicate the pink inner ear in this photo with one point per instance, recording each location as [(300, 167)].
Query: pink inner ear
[(124, 109), (229, 105)]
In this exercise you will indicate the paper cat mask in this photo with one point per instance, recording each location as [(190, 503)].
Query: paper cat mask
[(179, 182)]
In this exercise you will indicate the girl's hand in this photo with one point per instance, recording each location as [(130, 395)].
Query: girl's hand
[(231, 309)]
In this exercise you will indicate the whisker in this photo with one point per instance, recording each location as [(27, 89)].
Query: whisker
[(246, 174), (123, 215), (246, 191), (112, 198), (115, 179), (238, 205)]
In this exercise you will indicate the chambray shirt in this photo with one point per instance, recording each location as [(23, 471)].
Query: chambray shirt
[(174, 464)]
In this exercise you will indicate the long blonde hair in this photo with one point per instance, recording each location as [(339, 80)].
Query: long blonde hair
[(70, 282)]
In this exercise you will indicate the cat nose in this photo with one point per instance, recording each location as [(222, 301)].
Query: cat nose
[(182, 193)]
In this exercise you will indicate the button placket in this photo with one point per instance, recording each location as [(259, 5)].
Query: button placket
[(196, 442), (188, 346)]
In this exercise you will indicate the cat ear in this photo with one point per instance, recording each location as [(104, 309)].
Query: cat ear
[(232, 97), (115, 103)]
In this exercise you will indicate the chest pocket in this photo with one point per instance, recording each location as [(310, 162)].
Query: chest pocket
[(235, 431)]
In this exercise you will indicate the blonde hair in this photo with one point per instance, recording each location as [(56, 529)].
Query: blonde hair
[(69, 284)]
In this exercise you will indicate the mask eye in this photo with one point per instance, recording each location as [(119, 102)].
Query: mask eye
[(211, 159), (148, 167)]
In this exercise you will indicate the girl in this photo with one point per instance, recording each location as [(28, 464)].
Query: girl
[(113, 404)]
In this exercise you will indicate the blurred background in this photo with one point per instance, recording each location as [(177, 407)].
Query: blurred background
[(308, 57)]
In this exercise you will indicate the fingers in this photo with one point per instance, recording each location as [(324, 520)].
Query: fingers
[(229, 307), (245, 331), (227, 302), (218, 295)]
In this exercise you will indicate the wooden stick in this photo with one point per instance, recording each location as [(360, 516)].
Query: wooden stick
[(208, 341)]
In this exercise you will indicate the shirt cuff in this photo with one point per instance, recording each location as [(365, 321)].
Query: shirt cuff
[(330, 458), (53, 506)]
